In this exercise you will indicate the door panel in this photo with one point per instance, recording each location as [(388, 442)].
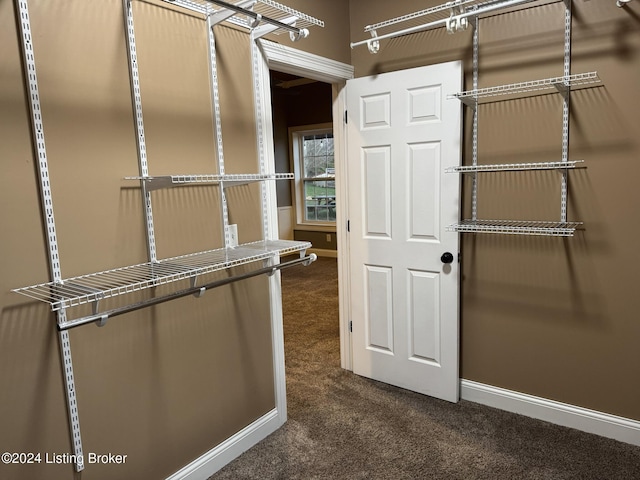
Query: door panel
[(424, 182), (424, 104), (376, 111), (402, 134), (377, 190), (379, 315), (424, 334)]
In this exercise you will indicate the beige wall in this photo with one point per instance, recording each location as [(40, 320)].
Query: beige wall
[(551, 317), (332, 41), (162, 385)]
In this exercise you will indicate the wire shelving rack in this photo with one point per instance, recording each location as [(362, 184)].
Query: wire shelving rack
[(97, 286), (473, 98), (514, 167), (517, 227), (453, 15), (561, 84), (157, 182), (260, 17), (250, 13)]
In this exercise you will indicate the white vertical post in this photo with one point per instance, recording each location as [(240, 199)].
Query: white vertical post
[(139, 124), (52, 243), (476, 48), (565, 110), (264, 128), (217, 118), (258, 93)]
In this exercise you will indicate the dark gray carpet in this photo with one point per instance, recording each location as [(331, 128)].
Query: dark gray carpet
[(342, 426)]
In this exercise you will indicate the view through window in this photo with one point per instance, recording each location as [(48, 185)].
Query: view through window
[(319, 177), (313, 151)]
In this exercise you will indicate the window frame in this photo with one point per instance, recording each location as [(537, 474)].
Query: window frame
[(296, 135)]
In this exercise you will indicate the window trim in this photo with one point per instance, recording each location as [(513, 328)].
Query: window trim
[(295, 136)]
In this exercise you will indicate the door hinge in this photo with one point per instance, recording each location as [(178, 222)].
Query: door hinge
[(348, 225), (350, 326), (346, 117)]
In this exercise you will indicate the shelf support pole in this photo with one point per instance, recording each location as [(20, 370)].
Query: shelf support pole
[(217, 119), (260, 111), (134, 79), (37, 129), (474, 178), (566, 97)]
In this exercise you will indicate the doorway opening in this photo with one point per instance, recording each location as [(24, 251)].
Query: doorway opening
[(303, 145), (302, 119), (278, 60)]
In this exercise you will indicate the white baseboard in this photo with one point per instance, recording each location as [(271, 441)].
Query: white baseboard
[(216, 458), (591, 421), (322, 252)]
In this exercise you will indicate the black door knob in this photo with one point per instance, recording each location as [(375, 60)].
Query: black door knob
[(446, 257)]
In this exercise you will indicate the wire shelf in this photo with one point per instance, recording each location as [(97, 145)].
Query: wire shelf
[(559, 83), (437, 12), (514, 167), (516, 227), (192, 5), (110, 283), (279, 11), (266, 8), (228, 180)]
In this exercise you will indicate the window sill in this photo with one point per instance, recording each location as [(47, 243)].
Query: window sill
[(315, 227)]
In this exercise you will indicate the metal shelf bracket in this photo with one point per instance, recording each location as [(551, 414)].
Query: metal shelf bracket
[(373, 45), (562, 88), (457, 21)]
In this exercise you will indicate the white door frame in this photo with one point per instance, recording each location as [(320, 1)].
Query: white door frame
[(289, 60), (297, 62)]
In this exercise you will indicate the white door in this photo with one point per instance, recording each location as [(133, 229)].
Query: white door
[(402, 133)]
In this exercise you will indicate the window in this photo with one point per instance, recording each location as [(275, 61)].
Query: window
[(315, 175)]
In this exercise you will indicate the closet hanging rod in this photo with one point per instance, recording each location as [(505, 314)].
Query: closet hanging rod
[(101, 318), (419, 14), (453, 20), (299, 32)]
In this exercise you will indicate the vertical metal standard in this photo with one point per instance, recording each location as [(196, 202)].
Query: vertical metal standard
[(257, 95), (565, 110), (476, 47), (215, 102), (47, 205), (139, 124)]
